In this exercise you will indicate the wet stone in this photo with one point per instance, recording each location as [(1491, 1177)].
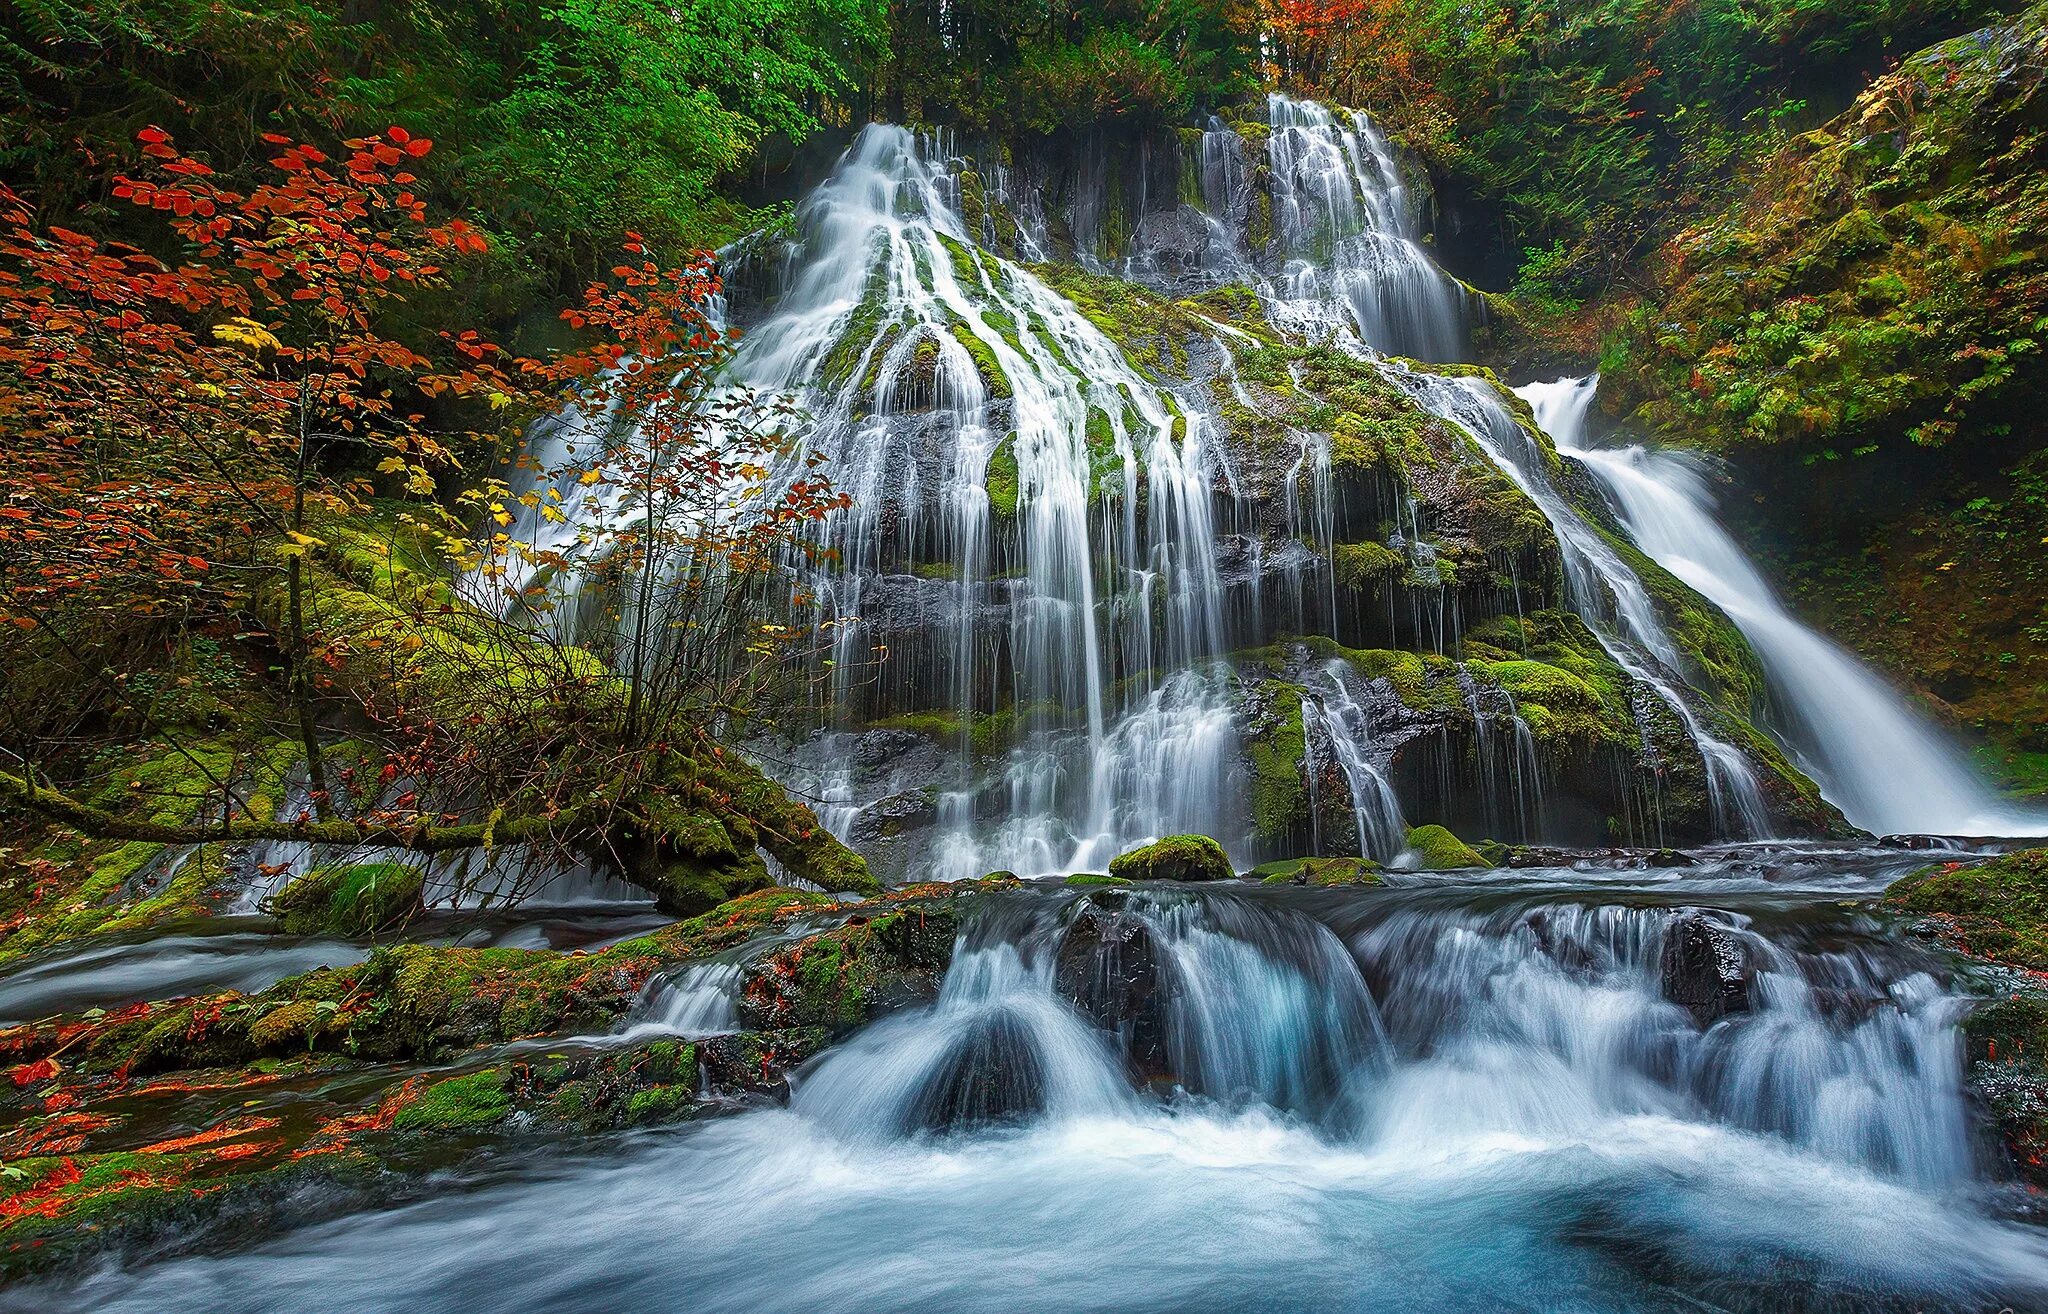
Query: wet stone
[(1705, 969), (1111, 969)]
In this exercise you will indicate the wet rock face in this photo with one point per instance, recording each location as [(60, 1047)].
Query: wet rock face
[(1173, 241), (1112, 970), (1706, 969)]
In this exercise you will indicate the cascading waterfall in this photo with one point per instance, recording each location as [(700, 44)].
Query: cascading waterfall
[(1375, 811), (1344, 230), (1888, 770), (1601, 588), (886, 279), (1353, 273)]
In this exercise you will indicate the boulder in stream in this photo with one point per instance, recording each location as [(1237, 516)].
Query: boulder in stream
[(1111, 968), (1175, 858), (1706, 970)]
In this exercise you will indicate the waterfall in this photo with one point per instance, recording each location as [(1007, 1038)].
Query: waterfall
[(1887, 769), (1344, 232), (1375, 811), (1601, 588)]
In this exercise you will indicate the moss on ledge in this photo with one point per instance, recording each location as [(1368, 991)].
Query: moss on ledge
[(1996, 910), (351, 900)]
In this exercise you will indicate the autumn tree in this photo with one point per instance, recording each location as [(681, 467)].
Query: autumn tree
[(183, 433)]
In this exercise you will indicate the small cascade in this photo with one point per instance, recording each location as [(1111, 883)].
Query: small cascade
[(1601, 588), (1534, 1015), (701, 1000), (1344, 233), (1510, 770), (1375, 810), (1887, 769)]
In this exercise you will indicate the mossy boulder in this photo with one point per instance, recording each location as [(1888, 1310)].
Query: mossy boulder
[(1320, 873), (1996, 910), (471, 1103), (354, 900), (1436, 849), (1175, 858), (844, 977)]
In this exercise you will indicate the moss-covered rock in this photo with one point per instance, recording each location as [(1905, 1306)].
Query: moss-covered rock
[(1276, 753), (469, 1103), (1175, 858), (1996, 910), (1436, 849), (353, 900), (841, 978), (1320, 873)]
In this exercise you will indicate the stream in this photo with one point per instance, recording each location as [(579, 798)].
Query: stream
[(1444, 1094)]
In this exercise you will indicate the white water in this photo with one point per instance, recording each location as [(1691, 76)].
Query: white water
[(1375, 809), (1888, 770), (1091, 590), (1345, 231), (1426, 1099)]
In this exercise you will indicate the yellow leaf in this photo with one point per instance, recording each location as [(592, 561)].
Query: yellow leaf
[(390, 463), (590, 477), (248, 333)]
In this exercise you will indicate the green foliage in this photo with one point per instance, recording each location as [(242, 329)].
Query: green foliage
[(351, 900), (561, 124), (1592, 126), (997, 65), (1862, 333)]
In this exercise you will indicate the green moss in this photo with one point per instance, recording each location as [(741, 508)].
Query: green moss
[(985, 363), (1175, 858), (988, 733), (1364, 565), (352, 900), (1436, 849), (1276, 751), (460, 1104), (1096, 878), (1996, 909), (841, 978), (1558, 705), (1000, 480), (1319, 873)]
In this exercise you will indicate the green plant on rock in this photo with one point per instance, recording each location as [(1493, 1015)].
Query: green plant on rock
[(351, 900)]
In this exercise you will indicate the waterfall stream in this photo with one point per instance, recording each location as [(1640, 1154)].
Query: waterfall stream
[(1887, 769)]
